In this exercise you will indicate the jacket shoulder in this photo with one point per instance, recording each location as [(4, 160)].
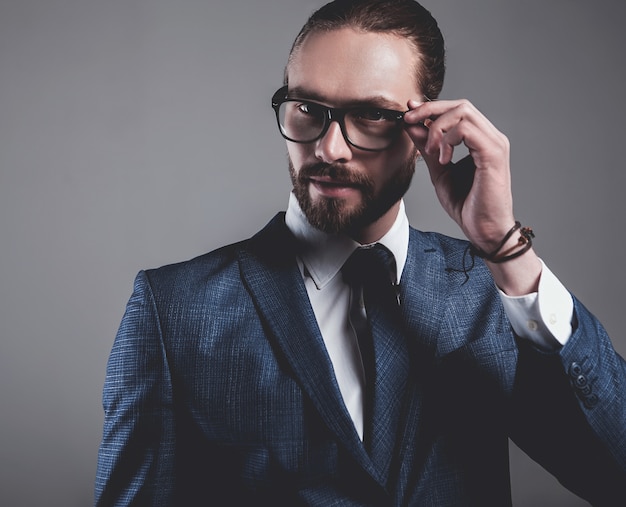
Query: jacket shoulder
[(220, 267)]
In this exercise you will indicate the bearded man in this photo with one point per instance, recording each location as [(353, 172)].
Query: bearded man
[(340, 357)]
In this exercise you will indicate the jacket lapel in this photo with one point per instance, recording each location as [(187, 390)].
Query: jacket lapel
[(270, 271), (423, 289), (392, 369)]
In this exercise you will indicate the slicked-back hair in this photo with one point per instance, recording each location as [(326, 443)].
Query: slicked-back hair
[(403, 18)]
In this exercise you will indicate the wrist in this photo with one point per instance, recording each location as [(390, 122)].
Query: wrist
[(520, 276), (509, 247), (512, 262)]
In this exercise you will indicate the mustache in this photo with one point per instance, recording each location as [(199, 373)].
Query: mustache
[(337, 172)]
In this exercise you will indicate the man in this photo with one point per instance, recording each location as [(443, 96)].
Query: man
[(253, 375)]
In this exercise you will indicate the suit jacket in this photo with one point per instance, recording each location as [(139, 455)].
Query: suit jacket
[(219, 391)]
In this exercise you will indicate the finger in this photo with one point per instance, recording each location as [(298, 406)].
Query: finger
[(418, 134), (412, 119), (454, 122), (419, 111), (435, 169), (445, 116), (460, 126), (417, 130), (443, 140)]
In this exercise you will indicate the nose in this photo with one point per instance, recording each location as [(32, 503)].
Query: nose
[(332, 146)]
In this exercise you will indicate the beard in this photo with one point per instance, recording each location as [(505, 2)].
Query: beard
[(333, 215)]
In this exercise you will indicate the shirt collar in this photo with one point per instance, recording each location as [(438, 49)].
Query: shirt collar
[(324, 254)]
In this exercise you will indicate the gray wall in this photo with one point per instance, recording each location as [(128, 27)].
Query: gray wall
[(136, 133)]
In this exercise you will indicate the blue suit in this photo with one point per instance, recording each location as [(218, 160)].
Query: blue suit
[(219, 391)]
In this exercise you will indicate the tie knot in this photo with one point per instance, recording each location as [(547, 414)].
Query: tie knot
[(372, 264)]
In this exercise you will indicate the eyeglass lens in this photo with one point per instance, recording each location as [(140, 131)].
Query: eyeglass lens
[(367, 128)]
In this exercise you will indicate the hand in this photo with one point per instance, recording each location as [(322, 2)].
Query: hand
[(481, 203), (482, 206)]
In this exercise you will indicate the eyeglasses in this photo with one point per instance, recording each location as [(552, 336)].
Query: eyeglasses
[(364, 127)]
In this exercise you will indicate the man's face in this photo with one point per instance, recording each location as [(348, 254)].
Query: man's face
[(339, 187)]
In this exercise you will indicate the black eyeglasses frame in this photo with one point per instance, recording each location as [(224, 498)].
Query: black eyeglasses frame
[(332, 114)]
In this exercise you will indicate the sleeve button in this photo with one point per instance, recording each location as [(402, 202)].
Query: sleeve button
[(580, 381), (575, 369), (591, 401)]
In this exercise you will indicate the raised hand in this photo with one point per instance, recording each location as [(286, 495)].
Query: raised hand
[(476, 191)]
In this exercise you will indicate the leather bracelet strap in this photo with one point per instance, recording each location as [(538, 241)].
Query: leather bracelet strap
[(525, 240), (485, 255)]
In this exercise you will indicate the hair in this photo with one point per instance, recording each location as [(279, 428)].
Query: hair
[(404, 18)]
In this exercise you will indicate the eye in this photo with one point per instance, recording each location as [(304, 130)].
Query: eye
[(373, 114), (310, 109)]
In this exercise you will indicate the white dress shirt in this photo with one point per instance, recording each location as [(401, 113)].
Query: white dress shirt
[(543, 317)]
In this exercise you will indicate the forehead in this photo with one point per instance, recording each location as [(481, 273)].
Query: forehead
[(348, 64)]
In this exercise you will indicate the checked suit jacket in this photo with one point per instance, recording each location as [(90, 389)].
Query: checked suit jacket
[(219, 391)]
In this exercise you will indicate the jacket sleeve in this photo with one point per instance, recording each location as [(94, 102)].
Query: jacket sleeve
[(135, 460), (569, 411)]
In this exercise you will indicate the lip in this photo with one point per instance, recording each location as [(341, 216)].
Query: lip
[(329, 187)]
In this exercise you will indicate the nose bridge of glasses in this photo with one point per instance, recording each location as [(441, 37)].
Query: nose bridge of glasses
[(333, 143), (335, 114)]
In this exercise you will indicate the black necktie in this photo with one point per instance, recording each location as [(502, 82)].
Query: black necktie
[(381, 341), (374, 269)]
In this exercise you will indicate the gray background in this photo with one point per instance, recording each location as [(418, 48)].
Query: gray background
[(136, 133)]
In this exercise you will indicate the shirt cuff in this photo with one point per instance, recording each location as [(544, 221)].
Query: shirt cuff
[(543, 317)]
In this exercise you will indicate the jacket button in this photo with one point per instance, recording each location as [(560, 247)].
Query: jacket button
[(575, 369), (585, 390), (590, 401), (580, 381)]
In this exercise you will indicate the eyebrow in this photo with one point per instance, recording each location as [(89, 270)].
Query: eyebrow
[(377, 101)]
